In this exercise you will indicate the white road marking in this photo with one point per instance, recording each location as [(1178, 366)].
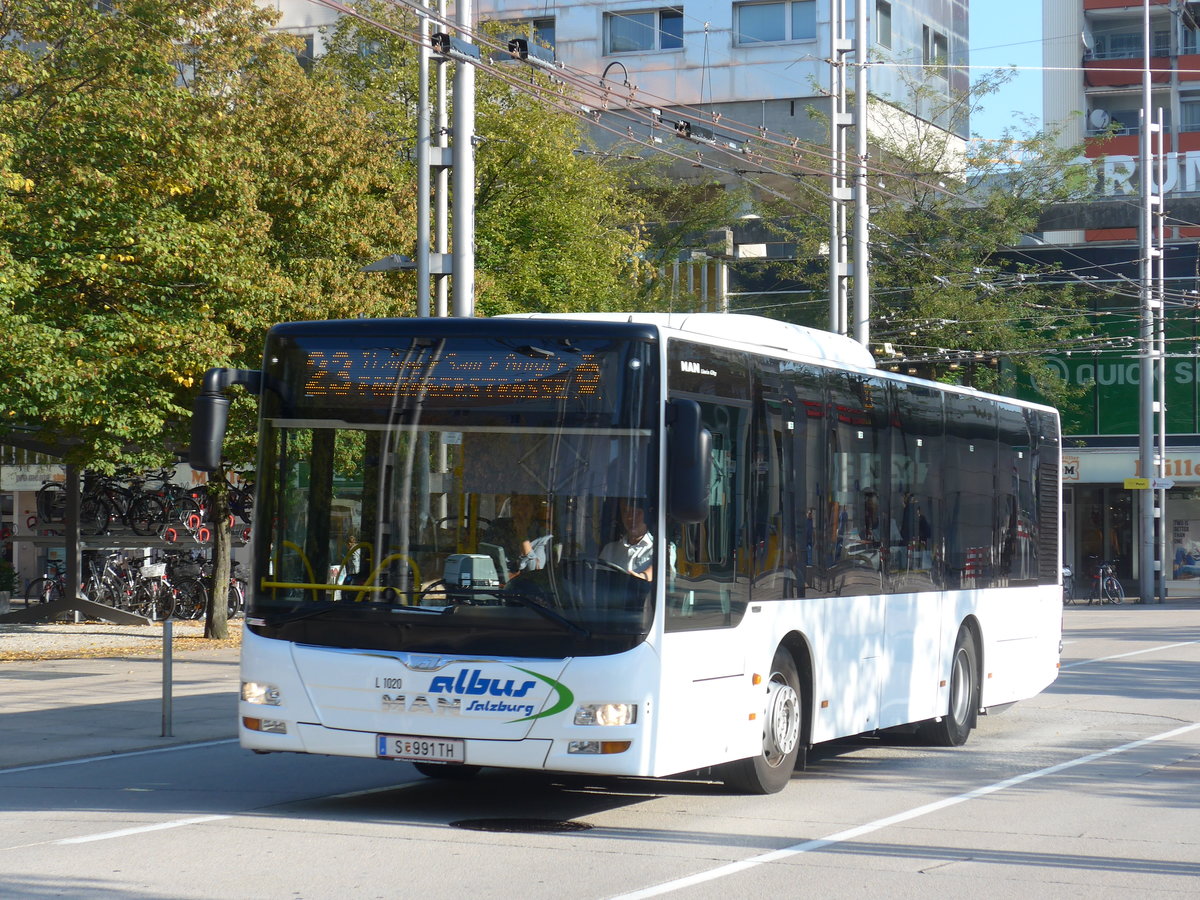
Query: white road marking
[(860, 830), (197, 820), (108, 756), (1086, 662), (141, 829)]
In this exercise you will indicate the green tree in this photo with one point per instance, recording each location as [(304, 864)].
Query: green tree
[(943, 211), (557, 228), (172, 184)]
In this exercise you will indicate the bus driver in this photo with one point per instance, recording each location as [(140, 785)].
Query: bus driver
[(633, 551)]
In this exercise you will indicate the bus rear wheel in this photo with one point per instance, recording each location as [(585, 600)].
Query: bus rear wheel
[(771, 770), (953, 729)]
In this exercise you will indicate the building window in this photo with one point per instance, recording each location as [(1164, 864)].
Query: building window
[(883, 23), (935, 52), (541, 31), (1189, 113), (1127, 43), (308, 56), (660, 29), (1187, 41), (772, 23)]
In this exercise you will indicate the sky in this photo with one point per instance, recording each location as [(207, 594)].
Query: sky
[(1007, 33)]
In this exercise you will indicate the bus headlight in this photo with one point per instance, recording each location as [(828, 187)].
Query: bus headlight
[(257, 692), (606, 714)]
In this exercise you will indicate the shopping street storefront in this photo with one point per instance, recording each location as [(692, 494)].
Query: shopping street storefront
[(1101, 515)]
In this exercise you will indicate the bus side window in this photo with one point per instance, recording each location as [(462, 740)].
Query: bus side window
[(714, 564), (711, 584)]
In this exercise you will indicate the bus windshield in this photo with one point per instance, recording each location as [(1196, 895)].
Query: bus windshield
[(455, 493)]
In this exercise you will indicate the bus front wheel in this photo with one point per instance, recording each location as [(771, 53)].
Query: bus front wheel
[(953, 729), (771, 770)]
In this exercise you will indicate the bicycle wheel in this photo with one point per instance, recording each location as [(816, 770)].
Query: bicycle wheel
[(94, 516), (52, 502), (1113, 592), (43, 590), (236, 600), (191, 598), (154, 601), (1069, 591), (146, 515)]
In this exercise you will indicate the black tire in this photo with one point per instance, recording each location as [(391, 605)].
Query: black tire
[(103, 593), (154, 601), (446, 771), (771, 770), (953, 729), (147, 515), (43, 590), (236, 601), (94, 516), (191, 599), (52, 502), (1113, 592)]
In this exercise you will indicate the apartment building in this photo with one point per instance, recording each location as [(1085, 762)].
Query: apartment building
[(1092, 87), (761, 62)]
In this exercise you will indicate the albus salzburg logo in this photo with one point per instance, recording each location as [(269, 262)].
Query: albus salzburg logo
[(472, 683)]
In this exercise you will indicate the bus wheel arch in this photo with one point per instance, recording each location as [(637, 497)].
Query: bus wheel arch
[(797, 645), (965, 687), (785, 729)]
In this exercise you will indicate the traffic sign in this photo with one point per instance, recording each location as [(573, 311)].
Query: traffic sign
[(1137, 484), (1161, 484)]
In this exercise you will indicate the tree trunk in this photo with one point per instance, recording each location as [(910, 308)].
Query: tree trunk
[(216, 620)]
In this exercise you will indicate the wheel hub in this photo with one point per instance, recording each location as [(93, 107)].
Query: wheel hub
[(782, 731)]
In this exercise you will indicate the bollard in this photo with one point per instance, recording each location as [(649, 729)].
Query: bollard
[(166, 680)]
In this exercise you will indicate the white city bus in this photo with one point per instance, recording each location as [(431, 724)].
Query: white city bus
[(832, 549)]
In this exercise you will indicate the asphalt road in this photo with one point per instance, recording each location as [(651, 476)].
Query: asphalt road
[(1090, 790)]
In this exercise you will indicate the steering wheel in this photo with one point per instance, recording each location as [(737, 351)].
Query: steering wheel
[(589, 563)]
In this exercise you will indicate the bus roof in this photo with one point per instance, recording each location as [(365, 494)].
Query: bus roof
[(754, 331)]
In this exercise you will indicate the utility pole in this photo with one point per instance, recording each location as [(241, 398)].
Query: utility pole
[(839, 192), (464, 172), (841, 120), (1160, 349), (1147, 561), (862, 256)]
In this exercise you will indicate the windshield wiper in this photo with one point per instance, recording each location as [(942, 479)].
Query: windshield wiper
[(545, 611), (299, 614)]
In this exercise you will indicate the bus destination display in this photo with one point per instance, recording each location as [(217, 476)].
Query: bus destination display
[(378, 374)]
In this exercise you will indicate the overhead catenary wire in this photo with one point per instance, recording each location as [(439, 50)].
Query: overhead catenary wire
[(637, 109), (1184, 298)]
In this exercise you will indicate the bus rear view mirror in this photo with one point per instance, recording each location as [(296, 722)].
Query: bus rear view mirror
[(689, 462), (210, 414)]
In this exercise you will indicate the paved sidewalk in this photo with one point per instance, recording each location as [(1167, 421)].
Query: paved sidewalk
[(60, 709)]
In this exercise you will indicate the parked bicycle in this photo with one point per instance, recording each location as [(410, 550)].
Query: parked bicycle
[(1106, 587), (153, 594), (1068, 582), (50, 587)]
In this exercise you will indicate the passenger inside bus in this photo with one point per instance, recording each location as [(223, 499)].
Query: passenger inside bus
[(529, 537)]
